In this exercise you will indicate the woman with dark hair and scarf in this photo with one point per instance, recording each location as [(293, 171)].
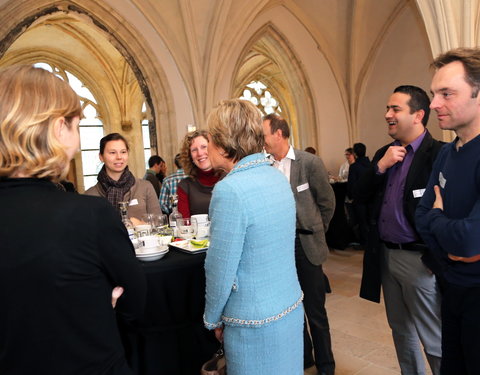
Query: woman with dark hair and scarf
[(118, 184)]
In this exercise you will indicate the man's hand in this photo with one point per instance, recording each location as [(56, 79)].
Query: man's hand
[(439, 204), (393, 155), (473, 259), (438, 198), (116, 293)]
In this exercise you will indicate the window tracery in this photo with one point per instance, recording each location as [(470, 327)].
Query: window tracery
[(257, 93)]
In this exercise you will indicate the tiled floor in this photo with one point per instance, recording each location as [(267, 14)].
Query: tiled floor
[(361, 338)]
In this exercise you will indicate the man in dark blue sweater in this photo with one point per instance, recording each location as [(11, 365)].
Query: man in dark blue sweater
[(448, 216)]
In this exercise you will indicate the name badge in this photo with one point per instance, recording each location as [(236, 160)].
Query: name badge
[(133, 202), (302, 187), (418, 193), (442, 180)]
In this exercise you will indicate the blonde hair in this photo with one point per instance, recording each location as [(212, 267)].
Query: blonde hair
[(185, 156), (31, 100), (236, 126)]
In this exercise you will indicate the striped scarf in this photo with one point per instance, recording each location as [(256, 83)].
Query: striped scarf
[(116, 190)]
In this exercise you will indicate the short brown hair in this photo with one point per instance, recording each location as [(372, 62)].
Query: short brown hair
[(236, 126), (470, 59), (277, 122), (185, 157), (31, 100)]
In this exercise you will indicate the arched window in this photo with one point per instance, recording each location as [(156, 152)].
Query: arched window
[(146, 135), (257, 92), (91, 126)]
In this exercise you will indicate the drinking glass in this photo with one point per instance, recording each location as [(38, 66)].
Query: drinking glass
[(156, 221), (187, 227)]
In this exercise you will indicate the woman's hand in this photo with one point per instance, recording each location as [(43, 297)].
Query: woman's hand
[(438, 198), (116, 293), (219, 333)]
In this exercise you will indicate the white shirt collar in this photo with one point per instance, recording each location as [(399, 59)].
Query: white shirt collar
[(290, 154)]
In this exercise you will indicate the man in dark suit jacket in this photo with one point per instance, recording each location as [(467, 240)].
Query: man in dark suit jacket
[(358, 208), (315, 203), (393, 186)]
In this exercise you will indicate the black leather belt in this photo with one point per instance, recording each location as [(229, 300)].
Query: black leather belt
[(410, 246)]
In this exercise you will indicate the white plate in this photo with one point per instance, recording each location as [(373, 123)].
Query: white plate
[(150, 250), (186, 247), (152, 257)]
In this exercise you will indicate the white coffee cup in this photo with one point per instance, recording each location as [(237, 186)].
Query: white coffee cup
[(201, 218), (143, 230), (149, 241), (203, 226), (164, 240)]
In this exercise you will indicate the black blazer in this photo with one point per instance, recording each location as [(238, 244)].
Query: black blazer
[(61, 254), (371, 189)]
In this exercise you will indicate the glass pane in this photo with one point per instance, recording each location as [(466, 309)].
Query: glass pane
[(91, 117), (90, 137), (146, 136), (43, 66), (79, 88), (90, 162), (89, 181), (147, 153), (257, 86)]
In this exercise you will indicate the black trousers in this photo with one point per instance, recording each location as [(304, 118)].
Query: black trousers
[(312, 282), (460, 330)]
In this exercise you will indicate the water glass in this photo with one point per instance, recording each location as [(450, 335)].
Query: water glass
[(156, 221), (186, 227)]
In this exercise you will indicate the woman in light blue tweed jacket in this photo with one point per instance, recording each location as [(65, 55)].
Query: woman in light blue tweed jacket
[(253, 298)]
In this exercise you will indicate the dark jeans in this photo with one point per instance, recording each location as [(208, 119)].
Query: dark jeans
[(460, 330), (312, 282)]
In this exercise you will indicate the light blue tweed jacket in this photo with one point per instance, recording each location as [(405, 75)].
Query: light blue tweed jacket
[(251, 279)]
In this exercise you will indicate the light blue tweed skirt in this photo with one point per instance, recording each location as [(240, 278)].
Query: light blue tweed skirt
[(273, 349)]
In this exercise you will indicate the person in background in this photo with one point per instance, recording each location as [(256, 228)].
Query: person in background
[(253, 297), (156, 165), (315, 202), (344, 168), (163, 172), (65, 259), (357, 209), (169, 186), (395, 257), (195, 191), (117, 184), (311, 150), (448, 215)]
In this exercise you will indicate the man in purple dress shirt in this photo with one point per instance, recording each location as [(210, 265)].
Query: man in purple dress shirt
[(393, 187)]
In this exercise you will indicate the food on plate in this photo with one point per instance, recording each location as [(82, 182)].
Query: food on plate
[(199, 244)]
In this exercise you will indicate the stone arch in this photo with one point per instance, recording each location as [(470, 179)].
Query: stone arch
[(268, 57), (20, 16)]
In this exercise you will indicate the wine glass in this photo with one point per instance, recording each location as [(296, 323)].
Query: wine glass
[(187, 227), (159, 221)]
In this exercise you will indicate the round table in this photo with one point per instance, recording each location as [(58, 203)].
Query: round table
[(171, 338)]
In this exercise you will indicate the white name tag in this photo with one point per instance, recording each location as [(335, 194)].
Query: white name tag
[(418, 193), (442, 180), (302, 187), (133, 202)]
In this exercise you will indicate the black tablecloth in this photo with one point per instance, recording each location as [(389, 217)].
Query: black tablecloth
[(171, 338)]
